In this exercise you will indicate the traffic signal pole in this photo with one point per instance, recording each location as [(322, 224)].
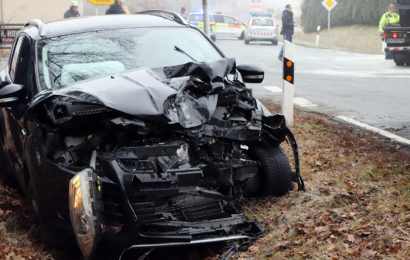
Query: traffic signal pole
[(206, 17), (288, 81)]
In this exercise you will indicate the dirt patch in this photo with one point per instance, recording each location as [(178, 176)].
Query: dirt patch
[(356, 204)]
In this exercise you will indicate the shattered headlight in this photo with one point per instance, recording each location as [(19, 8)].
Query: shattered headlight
[(84, 204)]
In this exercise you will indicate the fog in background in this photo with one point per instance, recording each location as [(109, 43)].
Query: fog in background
[(21, 11)]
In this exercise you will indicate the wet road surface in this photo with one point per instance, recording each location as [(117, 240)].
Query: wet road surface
[(364, 87)]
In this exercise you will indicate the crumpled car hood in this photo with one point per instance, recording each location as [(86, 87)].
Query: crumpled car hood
[(143, 92)]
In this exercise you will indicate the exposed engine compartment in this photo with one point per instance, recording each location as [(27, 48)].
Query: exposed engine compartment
[(174, 176)]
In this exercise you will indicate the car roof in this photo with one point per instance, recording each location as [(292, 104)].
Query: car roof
[(107, 22), (261, 17)]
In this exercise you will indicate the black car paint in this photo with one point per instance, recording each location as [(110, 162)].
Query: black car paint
[(32, 143)]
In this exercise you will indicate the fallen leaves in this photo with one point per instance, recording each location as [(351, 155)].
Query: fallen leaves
[(358, 199), (17, 229)]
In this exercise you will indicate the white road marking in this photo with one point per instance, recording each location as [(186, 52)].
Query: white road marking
[(274, 89), (375, 130), (358, 74), (302, 102)]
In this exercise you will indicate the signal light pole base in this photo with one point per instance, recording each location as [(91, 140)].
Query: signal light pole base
[(288, 81)]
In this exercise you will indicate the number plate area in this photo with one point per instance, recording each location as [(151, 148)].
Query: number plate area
[(396, 40)]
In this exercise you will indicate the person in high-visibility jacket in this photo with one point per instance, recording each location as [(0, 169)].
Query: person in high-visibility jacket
[(388, 18)]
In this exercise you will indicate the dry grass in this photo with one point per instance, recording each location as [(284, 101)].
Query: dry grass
[(356, 204), (358, 38)]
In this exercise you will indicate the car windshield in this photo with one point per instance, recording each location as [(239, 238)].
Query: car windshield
[(262, 22), (69, 59)]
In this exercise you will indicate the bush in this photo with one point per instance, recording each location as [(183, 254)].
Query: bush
[(347, 12)]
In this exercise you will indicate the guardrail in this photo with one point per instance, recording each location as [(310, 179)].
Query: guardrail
[(8, 32)]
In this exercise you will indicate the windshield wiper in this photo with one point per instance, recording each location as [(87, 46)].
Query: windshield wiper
[(176, 48)]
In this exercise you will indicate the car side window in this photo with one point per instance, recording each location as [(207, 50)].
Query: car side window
[(23, 69), (14, 59), (230, 20), (219, 18)]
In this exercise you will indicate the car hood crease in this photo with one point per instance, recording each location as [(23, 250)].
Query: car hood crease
[(143, 92)]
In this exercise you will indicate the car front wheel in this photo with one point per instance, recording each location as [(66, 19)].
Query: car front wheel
[(274, 177)]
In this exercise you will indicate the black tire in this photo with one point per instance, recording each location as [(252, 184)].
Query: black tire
[(6, 173), (247, 42), (399, 63), (274, 177), (47, 234), (242, 36), (275, 42)]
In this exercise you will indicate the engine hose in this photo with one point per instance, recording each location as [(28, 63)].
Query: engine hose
[(292, 142)]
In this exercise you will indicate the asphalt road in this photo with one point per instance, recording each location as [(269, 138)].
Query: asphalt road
[(364, 87)]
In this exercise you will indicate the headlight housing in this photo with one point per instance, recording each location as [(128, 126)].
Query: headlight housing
[(85, 210)]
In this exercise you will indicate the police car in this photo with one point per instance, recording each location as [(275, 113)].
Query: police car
[(197, 19), (229, 26)]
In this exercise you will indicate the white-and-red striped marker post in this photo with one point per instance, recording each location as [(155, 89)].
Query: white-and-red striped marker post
[(288, 81)]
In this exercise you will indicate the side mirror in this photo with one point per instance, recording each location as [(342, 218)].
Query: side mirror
[(251, 74), (11, 95)]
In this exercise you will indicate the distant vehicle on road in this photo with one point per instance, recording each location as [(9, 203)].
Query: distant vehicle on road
[(220, 25), (261, 29), (256, 6), (398, 36), (229, 26), (197, 19)]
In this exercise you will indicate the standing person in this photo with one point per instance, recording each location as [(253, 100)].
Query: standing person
[(183, 12), (288, 26), (73, 11), (116, 8), (388, 18)]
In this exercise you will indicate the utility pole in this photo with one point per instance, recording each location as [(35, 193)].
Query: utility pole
[(329, 5), (2, 11), (328, 29), (206, 17)]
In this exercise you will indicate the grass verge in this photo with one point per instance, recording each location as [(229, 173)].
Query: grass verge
[(358, 38), (357, 199), (356, 204)]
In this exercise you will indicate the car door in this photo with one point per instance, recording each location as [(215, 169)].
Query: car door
[(234, 27), (12, 121), (221, 27)]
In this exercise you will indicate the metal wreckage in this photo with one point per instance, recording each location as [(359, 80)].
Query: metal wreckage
[(161, 157)]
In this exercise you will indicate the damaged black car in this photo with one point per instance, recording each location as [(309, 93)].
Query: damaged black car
[(139, 131)]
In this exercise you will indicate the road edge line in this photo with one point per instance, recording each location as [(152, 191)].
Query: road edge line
[(376, 130)]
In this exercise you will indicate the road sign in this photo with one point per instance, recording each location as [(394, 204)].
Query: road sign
[(329, 4), (8, 32), (101, 2)]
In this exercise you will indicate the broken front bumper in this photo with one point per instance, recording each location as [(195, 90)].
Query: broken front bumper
[(145, 210)]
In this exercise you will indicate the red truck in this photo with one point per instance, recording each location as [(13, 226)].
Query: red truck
[(398, 36)]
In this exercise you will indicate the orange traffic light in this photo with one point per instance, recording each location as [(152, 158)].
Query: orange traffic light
[(289, 78), (289, 64)]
